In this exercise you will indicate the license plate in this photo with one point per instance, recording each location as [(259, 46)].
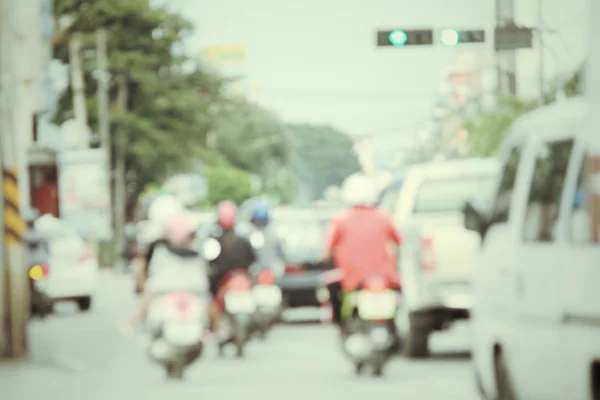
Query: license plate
[(372, 306), (267, 295), (240, 303), (186, 334)]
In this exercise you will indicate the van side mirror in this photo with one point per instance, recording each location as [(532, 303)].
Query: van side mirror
[(474, 220)]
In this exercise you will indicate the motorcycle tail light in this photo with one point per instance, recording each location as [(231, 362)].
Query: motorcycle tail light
[(266, 277), (375, 284), (39, 272), (240, 284)]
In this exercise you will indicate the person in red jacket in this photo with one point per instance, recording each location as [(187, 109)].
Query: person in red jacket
[(362, 241)]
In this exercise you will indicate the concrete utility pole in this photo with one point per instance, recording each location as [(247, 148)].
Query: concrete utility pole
[(77, 83), (506, 59), (120, 183), (13, 290), (541, 70), (103, 78), (592, 92)]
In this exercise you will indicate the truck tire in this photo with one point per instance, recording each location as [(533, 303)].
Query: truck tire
[(416, 343), (504, 388)]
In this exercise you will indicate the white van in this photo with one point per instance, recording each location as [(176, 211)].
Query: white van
[(536, 316), (437, 253)]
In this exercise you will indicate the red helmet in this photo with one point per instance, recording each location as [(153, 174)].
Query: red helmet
[(226, 212)]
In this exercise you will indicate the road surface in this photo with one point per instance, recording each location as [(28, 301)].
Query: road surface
[(84, 356)]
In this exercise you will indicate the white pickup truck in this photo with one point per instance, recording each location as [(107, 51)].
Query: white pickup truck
[(437, 256)]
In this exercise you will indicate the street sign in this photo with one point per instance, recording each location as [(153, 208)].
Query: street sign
[(512, 37), (225, 54)]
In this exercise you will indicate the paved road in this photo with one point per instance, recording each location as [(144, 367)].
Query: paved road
[(83, 356)]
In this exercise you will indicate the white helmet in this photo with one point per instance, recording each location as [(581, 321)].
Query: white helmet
[(148, 232), (359, 190), (164, 208)]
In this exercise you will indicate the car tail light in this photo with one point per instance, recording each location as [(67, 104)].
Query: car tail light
[(87, 255), (240, 284), (293, 269), (266, 277), (427, 255), (39, 272), (375, 284)]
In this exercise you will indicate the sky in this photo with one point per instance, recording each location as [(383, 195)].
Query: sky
[(315, 61)]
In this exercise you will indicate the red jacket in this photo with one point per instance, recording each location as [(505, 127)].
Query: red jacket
[(359, 241)]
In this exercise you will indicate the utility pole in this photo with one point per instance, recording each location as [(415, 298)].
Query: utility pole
[(13, 289), (103, 78), (506, 59), (77, 83), (592, 92), (120, 183), (540, 32)]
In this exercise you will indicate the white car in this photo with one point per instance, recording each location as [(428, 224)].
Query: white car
[(536, 320), (437, 255), (73, 266)]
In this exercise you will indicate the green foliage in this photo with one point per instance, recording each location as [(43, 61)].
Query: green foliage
[(487, 130), (228, 183), (170, 110), (572, 87), (248, 136), (285, 187), (325, 154)]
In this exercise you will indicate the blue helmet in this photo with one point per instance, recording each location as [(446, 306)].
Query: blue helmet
[(261, 213)]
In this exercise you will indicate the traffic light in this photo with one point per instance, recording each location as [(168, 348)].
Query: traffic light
[(402, 37), (452, 37)]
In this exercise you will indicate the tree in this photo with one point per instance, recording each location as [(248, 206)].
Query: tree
[(171, 110), (249, 136), (325, 155), (487, 130), (166, 118), (228, 183)]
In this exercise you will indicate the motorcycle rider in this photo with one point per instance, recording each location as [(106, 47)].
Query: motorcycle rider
[(173, 265), (236, 253), (362, 241), (265, 240), (153, 235)]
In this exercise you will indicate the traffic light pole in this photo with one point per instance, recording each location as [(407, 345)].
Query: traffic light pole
[(506, 59)]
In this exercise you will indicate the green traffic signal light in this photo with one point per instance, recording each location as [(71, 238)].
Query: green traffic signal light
[(398, 38), (450, 37)]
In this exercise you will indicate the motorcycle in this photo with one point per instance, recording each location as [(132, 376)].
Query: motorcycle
[(41, 303), (236, 303), (177, 324), (369, 315), (238, 307), (269, 301)]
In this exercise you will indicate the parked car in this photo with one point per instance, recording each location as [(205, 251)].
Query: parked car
[(537, 304), (437, 255), (73, 266)]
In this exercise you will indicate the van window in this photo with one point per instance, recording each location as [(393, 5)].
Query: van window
[(552, 161), (449, 195), (501, 208), (581, 222)]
